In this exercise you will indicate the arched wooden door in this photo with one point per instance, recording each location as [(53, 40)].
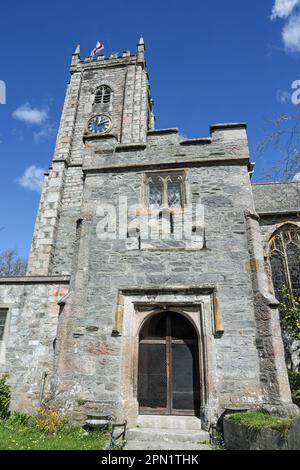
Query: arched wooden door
[(168, 369)]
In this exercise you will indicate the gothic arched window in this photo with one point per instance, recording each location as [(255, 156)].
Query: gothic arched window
[(284, 257), (103, 94), (166, 190)]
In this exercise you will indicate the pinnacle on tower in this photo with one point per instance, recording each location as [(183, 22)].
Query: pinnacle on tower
[(141, 45), (141, 49), (77, 50), (76, 56)]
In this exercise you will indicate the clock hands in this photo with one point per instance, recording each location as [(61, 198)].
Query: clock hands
[(102, 120), (99, 124)]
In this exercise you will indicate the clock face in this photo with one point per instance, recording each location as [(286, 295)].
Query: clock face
[(99, 124)]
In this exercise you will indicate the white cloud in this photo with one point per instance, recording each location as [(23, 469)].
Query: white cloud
[(289, 11), (38, 117), (291, 34), (30, 115), (283, 8), (296, 177), (32, 179), (46, 131), (283, 96)]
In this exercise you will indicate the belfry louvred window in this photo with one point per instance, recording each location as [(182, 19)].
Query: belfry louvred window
[(103, 95), (284, 257), (165, 190)]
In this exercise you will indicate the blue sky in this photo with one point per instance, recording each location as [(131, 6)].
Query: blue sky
[(209, 62)]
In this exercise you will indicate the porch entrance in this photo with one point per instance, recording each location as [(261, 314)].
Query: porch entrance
[(168, 369)]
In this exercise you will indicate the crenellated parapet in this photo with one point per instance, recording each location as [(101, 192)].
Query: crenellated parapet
[(227, 145)]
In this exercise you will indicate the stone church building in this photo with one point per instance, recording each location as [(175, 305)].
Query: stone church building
[(154, 266)]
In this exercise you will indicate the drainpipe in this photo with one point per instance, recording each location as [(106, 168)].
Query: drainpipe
[(42, 389)]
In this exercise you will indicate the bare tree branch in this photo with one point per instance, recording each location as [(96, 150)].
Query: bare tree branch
[(284, 137), (11, 264)]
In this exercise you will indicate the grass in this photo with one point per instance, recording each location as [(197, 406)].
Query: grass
[(260, 420), (26, 436)]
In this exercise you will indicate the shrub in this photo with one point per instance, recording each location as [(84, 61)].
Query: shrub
[(294, 378), (4, 397), (290, 307), (50, 420)]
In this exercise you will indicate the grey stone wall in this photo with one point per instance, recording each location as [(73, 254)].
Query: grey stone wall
[(240, 437), (32, 328), (224, 263), (276, 197), (276, 204), (69, 214)]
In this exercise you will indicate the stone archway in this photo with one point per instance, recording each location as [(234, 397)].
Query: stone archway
[(200, 308)]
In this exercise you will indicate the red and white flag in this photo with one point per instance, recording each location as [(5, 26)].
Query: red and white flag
[(99, 46)]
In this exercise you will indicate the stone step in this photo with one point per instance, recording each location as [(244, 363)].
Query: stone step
[(161, 445), (166, 435), (184, 423)]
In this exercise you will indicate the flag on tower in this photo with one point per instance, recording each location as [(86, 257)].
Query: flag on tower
[(99, 46)]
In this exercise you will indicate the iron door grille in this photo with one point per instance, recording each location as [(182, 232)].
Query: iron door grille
[(168, 372)]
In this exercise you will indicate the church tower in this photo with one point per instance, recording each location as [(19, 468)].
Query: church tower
[(108, 101)]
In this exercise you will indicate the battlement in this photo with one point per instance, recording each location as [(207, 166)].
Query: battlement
[(113, 55), (114, 59), (227, 145), (227, 132)]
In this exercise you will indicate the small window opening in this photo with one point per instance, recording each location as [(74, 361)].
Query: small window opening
[(3, 316)]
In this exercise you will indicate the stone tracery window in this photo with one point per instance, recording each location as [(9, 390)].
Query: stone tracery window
[(103, 94), (166, 190), (284, 257)]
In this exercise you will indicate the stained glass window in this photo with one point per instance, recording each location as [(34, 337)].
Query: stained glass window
[(284, 256)]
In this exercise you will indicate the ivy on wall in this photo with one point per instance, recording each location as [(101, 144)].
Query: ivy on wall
[(290, 308)]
